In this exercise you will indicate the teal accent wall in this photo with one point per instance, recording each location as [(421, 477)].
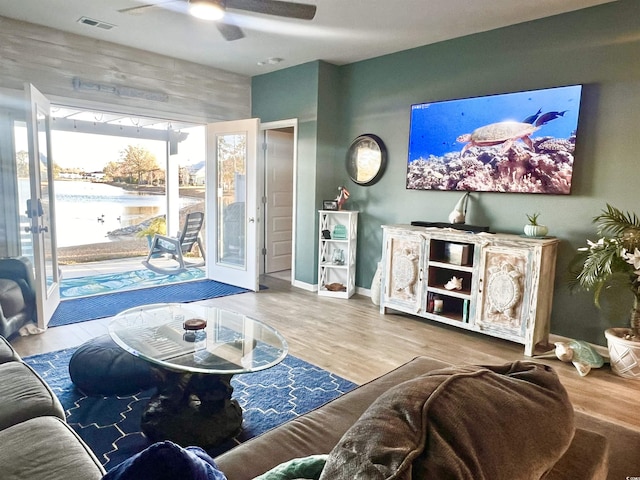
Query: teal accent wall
[(305, 92), (598, 47)]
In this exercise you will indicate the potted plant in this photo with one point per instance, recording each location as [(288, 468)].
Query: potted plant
[(615, 260), (534, 229), (156, 225)]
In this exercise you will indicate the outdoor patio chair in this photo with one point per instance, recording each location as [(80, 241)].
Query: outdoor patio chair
[(167, 254)]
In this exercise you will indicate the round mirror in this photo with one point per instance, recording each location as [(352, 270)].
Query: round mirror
[(366, 159)]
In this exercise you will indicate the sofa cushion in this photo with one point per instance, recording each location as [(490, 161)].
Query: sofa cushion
[(7, 353), (46, 447), (101, 367), (24, 395), (511, 421), (624, 443), (318, 431), (587, 459)]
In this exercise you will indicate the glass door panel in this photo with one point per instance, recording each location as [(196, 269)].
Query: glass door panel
[(231, 160), (23, 174), (233, 206), (47, 200)]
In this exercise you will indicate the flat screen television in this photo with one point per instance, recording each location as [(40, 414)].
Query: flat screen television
[(514, 142)]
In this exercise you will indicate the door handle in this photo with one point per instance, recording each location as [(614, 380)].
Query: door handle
[(39, 229)]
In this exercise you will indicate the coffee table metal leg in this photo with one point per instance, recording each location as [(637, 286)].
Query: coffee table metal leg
[(193, 409)]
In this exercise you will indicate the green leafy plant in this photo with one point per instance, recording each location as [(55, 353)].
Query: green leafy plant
[(614, 256), (533, 218)]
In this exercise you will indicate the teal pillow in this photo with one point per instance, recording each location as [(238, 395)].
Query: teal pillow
[(307, 468)]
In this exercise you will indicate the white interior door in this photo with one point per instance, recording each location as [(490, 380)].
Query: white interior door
[(279, 196), (40, 207), (233, 211)]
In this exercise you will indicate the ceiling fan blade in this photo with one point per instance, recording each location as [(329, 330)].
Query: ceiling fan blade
[(275, 7), (145, 5), (230, 32)]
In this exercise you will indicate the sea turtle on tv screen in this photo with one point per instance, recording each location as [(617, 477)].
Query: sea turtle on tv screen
[(498, 133)]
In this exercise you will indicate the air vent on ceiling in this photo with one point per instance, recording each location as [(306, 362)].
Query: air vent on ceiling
[(95, 23)]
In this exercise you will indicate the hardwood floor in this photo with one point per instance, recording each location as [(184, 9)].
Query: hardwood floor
[(352, 339)]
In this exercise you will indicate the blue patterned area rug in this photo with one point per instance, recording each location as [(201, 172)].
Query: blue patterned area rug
[(117, 282), (77, 310), (111, 425)]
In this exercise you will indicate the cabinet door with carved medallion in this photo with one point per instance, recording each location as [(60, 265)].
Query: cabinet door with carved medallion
[(403, 287), (503, 292)]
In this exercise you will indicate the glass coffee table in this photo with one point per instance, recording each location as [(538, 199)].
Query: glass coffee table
[(196, 349)]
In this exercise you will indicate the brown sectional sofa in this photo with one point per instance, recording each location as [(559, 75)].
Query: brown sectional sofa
[(36, 443), (597, 447)]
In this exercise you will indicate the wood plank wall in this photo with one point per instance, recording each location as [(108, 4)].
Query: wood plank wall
[(51, 59)]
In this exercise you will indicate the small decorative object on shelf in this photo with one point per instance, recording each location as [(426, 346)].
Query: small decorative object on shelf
[(330, 204), (342, 197), (338, 257), (459, 212), (326, 234), (534, 229), (457, 253), (438, 304), (340, 232), (454, 284), (336, 287)]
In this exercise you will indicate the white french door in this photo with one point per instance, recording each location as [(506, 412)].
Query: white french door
[(232, 200), (40, 207)]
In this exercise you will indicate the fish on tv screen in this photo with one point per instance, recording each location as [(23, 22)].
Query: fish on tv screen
[(515, 142)]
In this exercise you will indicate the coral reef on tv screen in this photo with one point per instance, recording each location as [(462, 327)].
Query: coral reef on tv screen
[(515, 142)]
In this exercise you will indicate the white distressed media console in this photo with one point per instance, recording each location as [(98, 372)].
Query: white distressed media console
[(506, 280)]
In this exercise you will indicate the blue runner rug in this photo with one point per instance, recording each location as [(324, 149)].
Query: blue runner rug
[(111, 425), (99, 306), (118, 282)]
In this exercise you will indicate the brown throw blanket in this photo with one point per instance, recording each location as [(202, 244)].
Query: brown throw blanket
[(498, 422)]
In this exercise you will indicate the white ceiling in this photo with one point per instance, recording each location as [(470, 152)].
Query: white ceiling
[(342, 32)]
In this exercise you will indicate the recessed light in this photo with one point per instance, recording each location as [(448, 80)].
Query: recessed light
[(206, 9)]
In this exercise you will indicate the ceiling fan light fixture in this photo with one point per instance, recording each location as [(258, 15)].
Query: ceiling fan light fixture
[(206, 9)]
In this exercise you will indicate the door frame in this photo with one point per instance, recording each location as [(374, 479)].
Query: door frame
[(286, 123)]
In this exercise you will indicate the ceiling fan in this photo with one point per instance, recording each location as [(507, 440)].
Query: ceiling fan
[(215, 10)]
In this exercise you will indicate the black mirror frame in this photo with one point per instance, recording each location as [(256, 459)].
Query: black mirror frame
[(383, 158)]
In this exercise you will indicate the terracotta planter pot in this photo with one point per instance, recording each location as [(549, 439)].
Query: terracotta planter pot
[(624, 354)]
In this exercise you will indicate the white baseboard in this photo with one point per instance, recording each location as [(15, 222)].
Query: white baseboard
[(305, 286)]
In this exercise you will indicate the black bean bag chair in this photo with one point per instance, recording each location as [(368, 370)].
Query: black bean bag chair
[(101, 367)]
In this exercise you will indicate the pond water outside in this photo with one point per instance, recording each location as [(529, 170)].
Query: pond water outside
[(86, 211)]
